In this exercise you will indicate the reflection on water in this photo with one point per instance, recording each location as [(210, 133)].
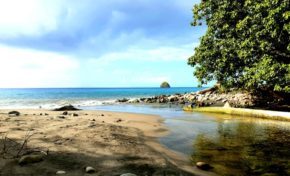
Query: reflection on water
[(233, 145), (245, 147)]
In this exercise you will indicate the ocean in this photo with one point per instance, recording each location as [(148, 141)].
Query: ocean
[(82, 97)]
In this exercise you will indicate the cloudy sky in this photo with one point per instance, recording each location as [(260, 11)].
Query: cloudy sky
[(96, 43)]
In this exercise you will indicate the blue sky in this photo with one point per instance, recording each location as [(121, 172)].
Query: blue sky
[(97, 43)]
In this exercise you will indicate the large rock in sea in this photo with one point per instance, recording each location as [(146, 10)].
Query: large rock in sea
[(165, 85)]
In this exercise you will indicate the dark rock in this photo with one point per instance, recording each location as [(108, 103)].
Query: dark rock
[(74, 115), (165, 85), (61, 117), (203, 166), (14, 113), (90, 170), (65, 113), (67, 108), (28, 159), (122, 100), (119, 120), (142, 99)]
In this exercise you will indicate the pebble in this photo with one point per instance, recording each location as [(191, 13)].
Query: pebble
[(74, 115), (128, 174), (90, 170), (60, 172), (203, 166), (119, 120)]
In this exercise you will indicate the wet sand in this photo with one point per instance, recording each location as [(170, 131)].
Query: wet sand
[(113, 143)]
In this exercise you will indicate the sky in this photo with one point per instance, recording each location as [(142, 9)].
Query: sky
[(97, 43)]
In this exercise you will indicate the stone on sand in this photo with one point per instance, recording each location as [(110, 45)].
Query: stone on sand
[(74, 115), (203, 166), (128, 174), (34, 158), (90, 170), (13, 113), (60, 172)]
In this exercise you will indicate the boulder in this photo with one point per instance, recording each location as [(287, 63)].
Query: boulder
[(28, 159), (203, 166), (14, 113), (227, 105), (65, 113), (90, 170), (134, 101), (124, 100), (172, 98), (67, 108)]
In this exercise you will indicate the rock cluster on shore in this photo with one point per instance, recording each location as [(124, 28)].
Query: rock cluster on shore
[(207, 97)]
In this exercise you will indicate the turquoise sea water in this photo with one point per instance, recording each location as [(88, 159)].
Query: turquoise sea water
[(53, 97)]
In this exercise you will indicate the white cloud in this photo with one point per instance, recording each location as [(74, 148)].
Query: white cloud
[(30, 68), (139, 67), (162, 54), (28, 17)]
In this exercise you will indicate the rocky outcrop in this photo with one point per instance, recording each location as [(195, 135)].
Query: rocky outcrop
[(164, 85), (207, 97)]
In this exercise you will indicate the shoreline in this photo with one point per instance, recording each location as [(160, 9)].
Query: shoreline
[(112, 142)]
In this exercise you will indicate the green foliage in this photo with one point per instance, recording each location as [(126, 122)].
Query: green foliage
[(165, 85), (246, 44)]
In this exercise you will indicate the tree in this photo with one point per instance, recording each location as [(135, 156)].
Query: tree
[(246, 44)]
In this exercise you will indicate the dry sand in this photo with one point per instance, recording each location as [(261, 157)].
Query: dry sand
[(113, 143)]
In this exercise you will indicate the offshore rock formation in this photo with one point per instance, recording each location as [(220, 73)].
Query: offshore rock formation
[(164, 85)]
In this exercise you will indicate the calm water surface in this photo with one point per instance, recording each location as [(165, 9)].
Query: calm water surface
[(238, 146)]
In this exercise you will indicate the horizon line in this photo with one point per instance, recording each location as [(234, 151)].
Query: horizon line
[(96, 87)]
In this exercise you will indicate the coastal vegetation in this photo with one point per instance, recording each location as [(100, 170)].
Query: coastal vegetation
[(246, 46)]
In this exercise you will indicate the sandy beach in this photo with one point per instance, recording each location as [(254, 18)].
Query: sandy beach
[(111, 142)]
